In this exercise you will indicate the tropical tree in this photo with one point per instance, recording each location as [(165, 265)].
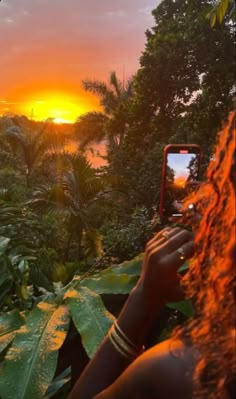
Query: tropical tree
[(76, 196), (20, 225), (179, 66), (183, 92), (25, 144), (111, 124)]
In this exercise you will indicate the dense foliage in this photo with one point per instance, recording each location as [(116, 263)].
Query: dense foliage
[(64, 223), (184, 90)]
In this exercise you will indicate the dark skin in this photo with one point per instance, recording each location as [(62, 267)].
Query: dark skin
[(164, 371)]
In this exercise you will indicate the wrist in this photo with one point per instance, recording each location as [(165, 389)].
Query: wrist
[(138, 314), (149, 302)]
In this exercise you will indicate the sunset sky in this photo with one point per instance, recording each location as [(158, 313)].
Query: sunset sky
[(48, 46), (179, 163)]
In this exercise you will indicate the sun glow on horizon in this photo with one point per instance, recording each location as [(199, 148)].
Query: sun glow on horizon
[(61, 107), (180, 181), (60, 121)]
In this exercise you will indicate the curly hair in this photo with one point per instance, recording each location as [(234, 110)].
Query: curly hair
[(210, 281)]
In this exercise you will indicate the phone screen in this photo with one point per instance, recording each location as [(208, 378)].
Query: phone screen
[(182, 168)]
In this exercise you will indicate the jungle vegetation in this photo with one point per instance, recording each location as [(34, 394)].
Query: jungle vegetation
[(72, 236)]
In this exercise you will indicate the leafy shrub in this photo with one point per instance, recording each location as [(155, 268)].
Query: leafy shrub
[(124, 241), (14, 182), (15, 290)]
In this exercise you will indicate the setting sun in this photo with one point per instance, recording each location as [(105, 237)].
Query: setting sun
[(180, 181), (61, 120), (63, 108)]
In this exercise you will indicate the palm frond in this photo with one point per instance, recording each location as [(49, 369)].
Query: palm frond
[(129, 88), (78, 179), (106, 95), (113, 98), (115, 182), (95, 87), (49, 198), (90, 128), (31, 142), (116, 83)]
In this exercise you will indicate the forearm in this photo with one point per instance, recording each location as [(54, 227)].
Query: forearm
[(135, 320)]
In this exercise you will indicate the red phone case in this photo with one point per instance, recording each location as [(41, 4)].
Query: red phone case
[(167, 150)]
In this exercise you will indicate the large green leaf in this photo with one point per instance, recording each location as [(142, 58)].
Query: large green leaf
[(30, 363), (117, 279), (9, 324), (130, 267), (58, 383), (90, 317), (185, 307), (3, 244), (111, 283)]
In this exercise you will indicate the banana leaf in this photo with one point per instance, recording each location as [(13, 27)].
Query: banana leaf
[(90, 317), (111, 283), (9, 324), (30, 363)]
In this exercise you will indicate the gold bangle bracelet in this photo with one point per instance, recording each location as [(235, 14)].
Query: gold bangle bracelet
[(123, 345), (116, 346), (124, 337)]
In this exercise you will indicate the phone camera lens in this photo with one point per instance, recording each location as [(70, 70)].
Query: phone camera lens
[(191, 206)]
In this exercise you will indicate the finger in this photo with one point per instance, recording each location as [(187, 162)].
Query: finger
[(177, 241), (166, 234), (163, 238), (176, 259), (173, 232), (159, 235)]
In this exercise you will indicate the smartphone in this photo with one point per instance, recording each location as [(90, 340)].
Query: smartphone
[(181, 168)]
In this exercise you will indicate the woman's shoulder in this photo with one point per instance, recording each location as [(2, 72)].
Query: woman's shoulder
[(163, 372), (169, 367), (172, 350)]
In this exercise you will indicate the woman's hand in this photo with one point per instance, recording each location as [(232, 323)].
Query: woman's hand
[(164, 254)]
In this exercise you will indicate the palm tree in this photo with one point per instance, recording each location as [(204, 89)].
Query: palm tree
[(25, 143), (110, 125), (77, 191)]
